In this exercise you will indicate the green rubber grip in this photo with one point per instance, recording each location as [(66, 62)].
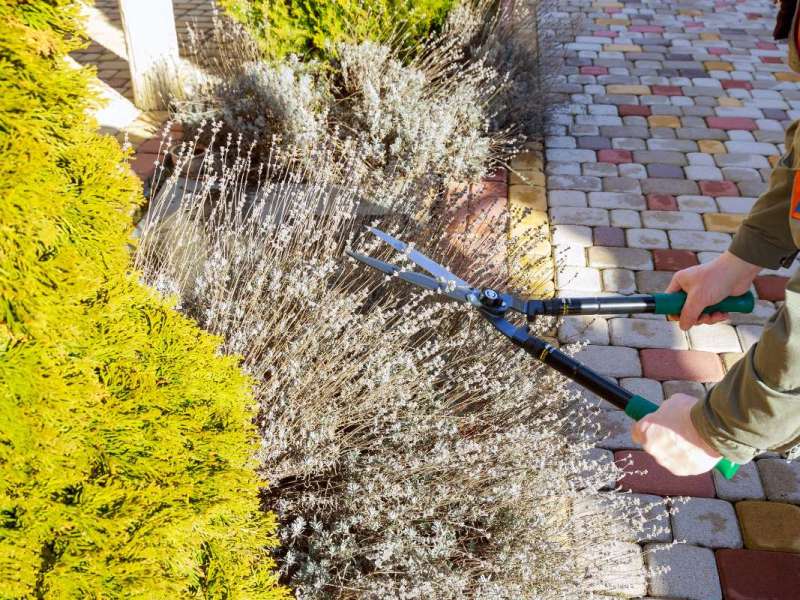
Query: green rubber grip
[(638, 407), (671, 304)]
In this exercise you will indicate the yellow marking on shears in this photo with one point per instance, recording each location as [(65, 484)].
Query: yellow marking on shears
[(545, 352)]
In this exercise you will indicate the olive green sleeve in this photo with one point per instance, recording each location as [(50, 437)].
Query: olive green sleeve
[(764, 238), (756, 406)]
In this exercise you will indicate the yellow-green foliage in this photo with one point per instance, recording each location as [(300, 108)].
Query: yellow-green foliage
[(314, 26), (125, 439)]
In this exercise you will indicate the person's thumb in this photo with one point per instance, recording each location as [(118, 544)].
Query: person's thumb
[(638, 431)]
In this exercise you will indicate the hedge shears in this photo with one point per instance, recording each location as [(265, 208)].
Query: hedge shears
[(494, 306)]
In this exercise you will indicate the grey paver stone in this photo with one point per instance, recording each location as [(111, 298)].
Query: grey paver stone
[(567, 215), (572, 155), (676, 187), (749, 335), (646, 333), (593, 329), (666, 157), (614, 361), (719, 337), (752, 188), (696, 204), (674, 145), (781, 479), (752, 161), (623, 217), (632, 201), (758, 148), (574, 182), (647, 388), (745, 485), (653, 510), (621, 281), (672, 219), (699, 240), (578, 278), (566, 198), (650, 282), (633, 171), (737, 174), (702, 173), (692, 388), (665, 171), (707, 522), (614, 431), (762, 311), (647, 238), (605, 170), (579, 235), (692, 572), (621, 184), (623, 258)]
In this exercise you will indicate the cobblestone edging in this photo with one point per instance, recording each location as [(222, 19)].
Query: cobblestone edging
[(674, 116)]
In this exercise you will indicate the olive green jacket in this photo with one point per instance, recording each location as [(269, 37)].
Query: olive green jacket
[(756, 406)]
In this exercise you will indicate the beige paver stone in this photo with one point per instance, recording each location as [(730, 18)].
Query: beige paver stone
[(636, 90), (730, 358), (664, 121), (527, 196), (718, 65), (527, 161), (729, 102), (771, 526), (527, 177), (709, 36), (622, 48), (711, 147), (787, 76), (724, 222)]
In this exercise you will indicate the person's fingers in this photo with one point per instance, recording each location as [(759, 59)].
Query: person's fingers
[(718, 317), (674, 284), (691, 310)]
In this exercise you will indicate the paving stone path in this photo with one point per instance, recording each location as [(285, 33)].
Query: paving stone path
[(674, 116)]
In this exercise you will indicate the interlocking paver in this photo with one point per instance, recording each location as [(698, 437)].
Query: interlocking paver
[(682, 571), (646, 333), (706, 522), (684, 107), (781, 479), (758, 574), (745, 485), (769, 525)]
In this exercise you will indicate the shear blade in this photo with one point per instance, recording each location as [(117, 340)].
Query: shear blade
[(418, 257)]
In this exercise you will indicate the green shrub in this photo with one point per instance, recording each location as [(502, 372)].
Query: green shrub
[(315, 27), (125, 437)]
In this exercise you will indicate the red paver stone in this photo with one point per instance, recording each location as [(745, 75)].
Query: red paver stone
[(685, 365), (144, 164), (666, 90), (718, 188), (499, 174), (771, 287), (758, 574), (608, 34), (609, 236), (661, 202), (614, 156), (771, 60), (634, 110), (657, 480), (718, 51), (594, 70), (738, 84), (150, 146), (732, 123), (766, 46), (491, 189), (673, 260)]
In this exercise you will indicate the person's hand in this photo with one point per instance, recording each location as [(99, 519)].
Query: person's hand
[(726, 275), (669, 436)]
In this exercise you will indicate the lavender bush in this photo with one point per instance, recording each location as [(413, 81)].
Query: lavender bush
[(410, 451)]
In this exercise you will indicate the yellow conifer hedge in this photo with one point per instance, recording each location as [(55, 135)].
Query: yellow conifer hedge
[(125, 437)]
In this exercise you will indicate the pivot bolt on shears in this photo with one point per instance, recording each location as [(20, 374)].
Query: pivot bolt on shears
[(494, 306)]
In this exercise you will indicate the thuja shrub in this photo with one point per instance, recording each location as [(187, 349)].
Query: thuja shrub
[(314, 28), (126, 442), (412, 452)]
